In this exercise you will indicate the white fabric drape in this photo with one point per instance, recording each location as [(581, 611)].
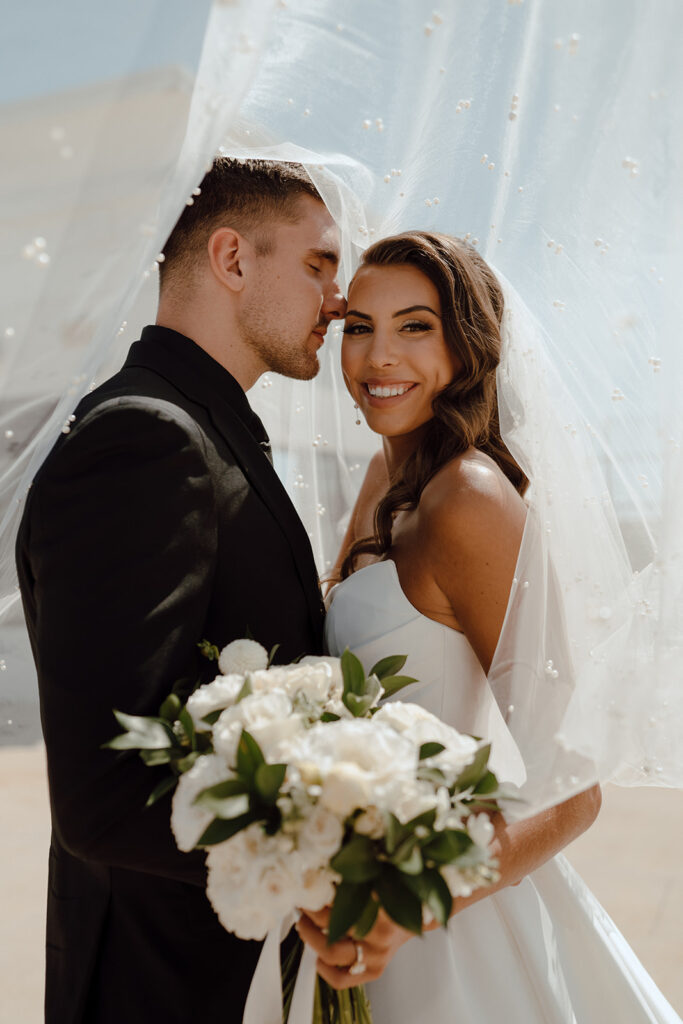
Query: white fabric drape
[(549, 133)]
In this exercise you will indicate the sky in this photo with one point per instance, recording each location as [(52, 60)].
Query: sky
[(48, 47)]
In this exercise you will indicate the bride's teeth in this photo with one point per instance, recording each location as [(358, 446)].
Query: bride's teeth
[(388, 392)]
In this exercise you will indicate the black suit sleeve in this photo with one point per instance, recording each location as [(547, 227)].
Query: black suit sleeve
[(121, 548)]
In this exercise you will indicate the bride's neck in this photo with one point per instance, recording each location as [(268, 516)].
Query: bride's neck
[(398, 449)]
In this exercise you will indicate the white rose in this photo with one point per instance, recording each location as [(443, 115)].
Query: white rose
[(189, 820), (317, 889), (347, 787), (320, 836), (242, 656), (480, 829), (214, 696)]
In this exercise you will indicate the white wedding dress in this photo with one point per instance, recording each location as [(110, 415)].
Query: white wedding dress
[(542, 952)]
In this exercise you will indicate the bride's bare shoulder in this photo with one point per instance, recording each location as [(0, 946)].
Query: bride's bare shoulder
[(471, 495)]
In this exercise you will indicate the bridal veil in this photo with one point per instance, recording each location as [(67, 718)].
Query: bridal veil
[(548, 135)]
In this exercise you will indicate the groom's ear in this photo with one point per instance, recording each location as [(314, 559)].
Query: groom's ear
[(230, 255)]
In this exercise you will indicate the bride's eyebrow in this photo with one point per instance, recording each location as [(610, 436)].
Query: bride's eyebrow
[(355, 312), (413, 309)]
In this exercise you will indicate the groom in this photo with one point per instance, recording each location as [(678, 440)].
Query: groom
[(156, 522)]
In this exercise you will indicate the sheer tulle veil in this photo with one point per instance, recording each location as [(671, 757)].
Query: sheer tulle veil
[(547, 135)]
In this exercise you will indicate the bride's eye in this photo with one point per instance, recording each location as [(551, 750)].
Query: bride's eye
[(357, 328), (416, 326)]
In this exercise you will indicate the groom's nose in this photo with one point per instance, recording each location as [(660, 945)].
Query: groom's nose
[(334, 303)]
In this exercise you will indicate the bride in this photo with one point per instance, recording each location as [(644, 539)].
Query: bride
[(427, 566)]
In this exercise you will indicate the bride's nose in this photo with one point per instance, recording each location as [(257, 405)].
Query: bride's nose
[(382, 350)]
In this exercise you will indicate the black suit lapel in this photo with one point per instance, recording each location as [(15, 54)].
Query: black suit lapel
[(187, 372)]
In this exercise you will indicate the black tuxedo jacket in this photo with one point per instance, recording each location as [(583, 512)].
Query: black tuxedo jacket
[(156, 522)]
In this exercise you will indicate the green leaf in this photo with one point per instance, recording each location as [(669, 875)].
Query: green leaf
[(221, 791), (474, 771), (357, 860), (367, 919), (358, 706), (268, 778), (219, 830), (246, 691), (170, 707), (433, 891), (411, 862), (399, 900), (447, 846), (328, 716), (395, 833), (155, 757), (353, 673), (487, 784), (187, 722), (426, 819), (389, 666), (212, 716), (249, 755), (209, 650), (271, 656), (392, 684), (161, 790), (142, 732), (183, 764), (430, 750), (349, 903)]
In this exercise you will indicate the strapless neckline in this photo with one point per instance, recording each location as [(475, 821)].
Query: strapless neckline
[(400, 593)]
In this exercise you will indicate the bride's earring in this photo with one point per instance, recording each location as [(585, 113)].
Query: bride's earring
[(355, 405)]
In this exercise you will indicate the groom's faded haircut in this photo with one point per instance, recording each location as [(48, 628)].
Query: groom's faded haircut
[(247, 195)]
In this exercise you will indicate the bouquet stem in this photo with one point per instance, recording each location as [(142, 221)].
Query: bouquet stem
[(347, 1006)]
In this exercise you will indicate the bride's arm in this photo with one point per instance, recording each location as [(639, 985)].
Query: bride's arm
[(471, 526)]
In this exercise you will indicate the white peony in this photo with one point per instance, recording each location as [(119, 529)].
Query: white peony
[(406, 798), (333, 668), (320, 836), (347, 787), (313, 681), (420, 726), (188, 820), (214, 696), (266, 716), (242, 656)]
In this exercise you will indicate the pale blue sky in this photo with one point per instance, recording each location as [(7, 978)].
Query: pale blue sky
[(47, 46)]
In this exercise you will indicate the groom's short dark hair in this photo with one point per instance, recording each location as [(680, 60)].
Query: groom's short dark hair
[(243, 194)]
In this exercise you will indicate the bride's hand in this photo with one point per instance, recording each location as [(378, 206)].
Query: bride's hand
[(334, 962)]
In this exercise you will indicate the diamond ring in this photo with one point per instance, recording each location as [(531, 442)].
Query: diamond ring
[(358, 966)]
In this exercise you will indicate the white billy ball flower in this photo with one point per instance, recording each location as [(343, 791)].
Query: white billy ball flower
[(242, 656), (216, 696), (189, 820)]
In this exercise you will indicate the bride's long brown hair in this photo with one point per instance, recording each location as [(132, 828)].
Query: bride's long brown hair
[(466, 411)]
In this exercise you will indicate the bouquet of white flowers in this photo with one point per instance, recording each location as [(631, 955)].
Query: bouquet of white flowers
[(308, 792)]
